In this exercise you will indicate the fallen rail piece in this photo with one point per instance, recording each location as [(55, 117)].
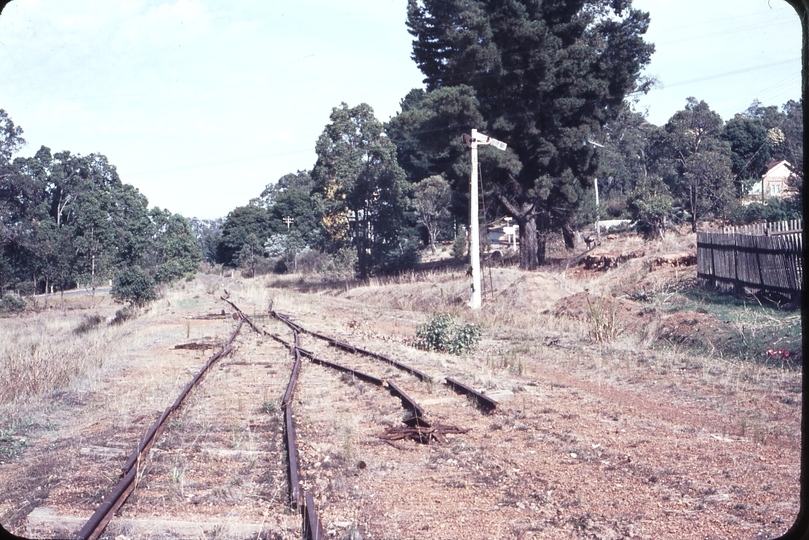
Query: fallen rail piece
[(208, 316), (484, 402), (421, 434), (196, 346)]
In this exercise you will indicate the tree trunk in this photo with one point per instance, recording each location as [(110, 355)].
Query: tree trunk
[(524, 216), (529, 245), (541, 245), (362, 256), (431, 234), (432, 229), (569, 235)]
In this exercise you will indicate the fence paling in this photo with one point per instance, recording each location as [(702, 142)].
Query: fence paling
[(763, 256)]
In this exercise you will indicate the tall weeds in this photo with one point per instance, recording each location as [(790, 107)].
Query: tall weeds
[(45, 353), (602, 318)]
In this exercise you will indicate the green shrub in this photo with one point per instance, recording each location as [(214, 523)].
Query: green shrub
[(442, 334), (26, 288), (11, 304), (135, 286), (406, 256), (459, 244), (169, 272), (269, 407)]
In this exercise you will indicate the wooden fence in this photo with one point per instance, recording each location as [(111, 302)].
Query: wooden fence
[(764, 257)]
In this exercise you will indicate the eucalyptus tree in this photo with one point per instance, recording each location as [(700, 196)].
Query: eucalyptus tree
[(207, 233), (751, 150), (245, 225), (695, 161), (547, 76), (175, 251), (432, 197), (360, 188)]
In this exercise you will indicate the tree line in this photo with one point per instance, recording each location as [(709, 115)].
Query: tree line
[(556, 81), (68, 220), (553, 79), (698, 167)]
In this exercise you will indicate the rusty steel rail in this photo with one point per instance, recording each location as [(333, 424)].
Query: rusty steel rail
[(154, 431), (355, 373), (295, 490), (312, 530), (420, 375), (242, 315), (407, 402), (353, 349), (102, 516), (295, 493), (293, 378), (484, 402)]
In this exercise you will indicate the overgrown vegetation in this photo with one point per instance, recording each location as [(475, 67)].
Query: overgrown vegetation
[(69, 220), (46, 352), (13, 440), (602, 320), (754, 330), (89, 323), (11, 304), (442, 334), (269, 407), (123, 315), (135, 286)]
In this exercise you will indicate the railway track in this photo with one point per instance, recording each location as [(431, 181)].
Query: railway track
[(308, 452)]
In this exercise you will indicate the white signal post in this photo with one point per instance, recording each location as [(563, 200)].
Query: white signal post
[(474, 228), (598, 208)]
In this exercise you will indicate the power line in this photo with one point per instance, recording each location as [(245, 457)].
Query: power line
[(735, 72)]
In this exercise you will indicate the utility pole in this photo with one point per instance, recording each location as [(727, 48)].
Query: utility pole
[(474, 229), (598, 208), (598, 216)]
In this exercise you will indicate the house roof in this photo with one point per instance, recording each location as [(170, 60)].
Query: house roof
[(774, 164)]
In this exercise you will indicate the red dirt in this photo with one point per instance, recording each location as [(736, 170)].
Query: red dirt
[(597, 440)]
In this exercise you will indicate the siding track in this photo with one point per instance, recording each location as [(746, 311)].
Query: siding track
[(338, 395)]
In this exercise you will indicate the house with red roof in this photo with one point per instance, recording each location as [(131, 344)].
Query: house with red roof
[(775, 182)]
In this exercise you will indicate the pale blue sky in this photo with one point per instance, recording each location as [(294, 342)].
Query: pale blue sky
[(200, 104)]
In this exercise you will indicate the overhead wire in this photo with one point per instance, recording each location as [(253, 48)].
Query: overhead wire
[(734, 72)]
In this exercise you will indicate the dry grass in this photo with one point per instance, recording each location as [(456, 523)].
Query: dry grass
[(43, 353)]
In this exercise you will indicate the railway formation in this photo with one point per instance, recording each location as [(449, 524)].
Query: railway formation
[(301, 493)]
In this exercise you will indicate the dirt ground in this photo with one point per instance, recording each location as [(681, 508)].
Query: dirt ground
[(610, 425)]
